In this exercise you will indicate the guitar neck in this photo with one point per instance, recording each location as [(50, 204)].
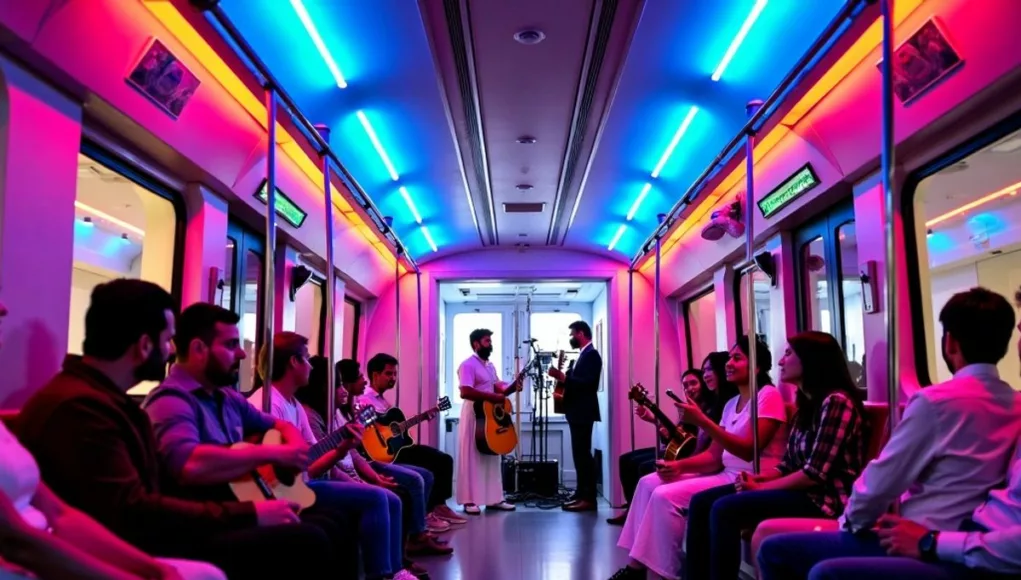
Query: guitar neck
[(323, 446), (661, 417), (418, 418)]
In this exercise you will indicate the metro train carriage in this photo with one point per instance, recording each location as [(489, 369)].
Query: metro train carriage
[(479, 204)]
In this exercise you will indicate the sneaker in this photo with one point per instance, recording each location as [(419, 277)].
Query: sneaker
[(404, 575), (435, 524), (446, 514)]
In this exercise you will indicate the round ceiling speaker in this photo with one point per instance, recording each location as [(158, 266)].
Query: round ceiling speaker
[(529, 36)]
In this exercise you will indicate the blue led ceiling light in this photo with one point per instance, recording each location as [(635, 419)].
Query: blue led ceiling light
[(673, 142), (428, 238), (616, 237), (638, 201), (411, 204), (739, 38), (379, 146), (317, 40)]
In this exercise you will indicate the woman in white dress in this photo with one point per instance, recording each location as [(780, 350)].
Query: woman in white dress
[(43, 537), (654, 531)]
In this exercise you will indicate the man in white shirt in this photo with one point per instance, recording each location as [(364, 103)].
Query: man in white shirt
[(950, 449)]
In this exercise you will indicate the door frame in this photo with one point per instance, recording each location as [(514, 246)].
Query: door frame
[(826, 226)]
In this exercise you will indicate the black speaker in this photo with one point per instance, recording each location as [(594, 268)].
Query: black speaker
[(539, 477)]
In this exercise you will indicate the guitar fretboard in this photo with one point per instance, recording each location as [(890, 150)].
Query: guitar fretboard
[(404, 426)]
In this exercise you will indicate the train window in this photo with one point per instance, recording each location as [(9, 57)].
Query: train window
[(829, 290), (352, 319), (700, 319), (308, 314), (243, 284), (124, 227), (966, 216), (462, 325), (766, 325)]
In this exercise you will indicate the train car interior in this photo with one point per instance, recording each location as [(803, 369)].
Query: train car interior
[(510, 290)]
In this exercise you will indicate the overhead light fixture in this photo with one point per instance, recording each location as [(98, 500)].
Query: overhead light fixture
[(673, 142), (526, 140), (428, 238), (1009, 190), (379, 146), (411, 204), (638, 201), (317, 40), (741, 34), (523, 186), (107, 217), (616, 237)]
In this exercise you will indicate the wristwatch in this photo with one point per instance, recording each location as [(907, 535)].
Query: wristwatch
[(927, 546)]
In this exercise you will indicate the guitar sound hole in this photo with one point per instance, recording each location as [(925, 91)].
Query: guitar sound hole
[(395, 428)]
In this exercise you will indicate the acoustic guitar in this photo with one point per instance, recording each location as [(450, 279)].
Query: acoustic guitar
[(494, 424), (561, 387), (680, 444), (268, 482), (385, 439)]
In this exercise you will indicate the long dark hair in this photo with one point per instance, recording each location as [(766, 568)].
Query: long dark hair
[(823, 371), (313, 395), (763, 358), (725, 390)]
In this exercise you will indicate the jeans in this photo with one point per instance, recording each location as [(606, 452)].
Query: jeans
[(717, 516), (846, 556), (417, 483), (436, 462), (584, 465), (379, 522), (633, 465)]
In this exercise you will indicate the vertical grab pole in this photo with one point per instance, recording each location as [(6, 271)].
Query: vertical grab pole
[(328, 331), (421, 349), (268, 303), (888, 160), (516, 313), (749, 201), (631, 346), (655, 304), (397, 309)]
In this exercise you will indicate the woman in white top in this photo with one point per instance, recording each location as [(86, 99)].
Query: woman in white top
[(654, 531), (43, 537)]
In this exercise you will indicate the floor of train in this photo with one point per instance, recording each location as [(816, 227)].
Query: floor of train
[(531, 544)]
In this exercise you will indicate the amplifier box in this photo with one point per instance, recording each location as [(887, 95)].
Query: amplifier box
[(539, 477)]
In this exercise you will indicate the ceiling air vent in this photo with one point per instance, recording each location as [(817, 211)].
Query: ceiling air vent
[(524, 207)]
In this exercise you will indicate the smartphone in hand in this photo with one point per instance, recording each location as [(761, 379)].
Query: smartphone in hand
[(678, 399)]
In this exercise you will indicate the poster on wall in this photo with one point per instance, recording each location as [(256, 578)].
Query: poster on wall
[(921, 61), (164, 79)]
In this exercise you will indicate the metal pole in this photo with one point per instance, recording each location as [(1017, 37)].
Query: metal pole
[(631, 346), (517, 394), (268, 302), (655, 306), (888, 161), (421, 350), (397, 307), (328, 330), (749, 219)]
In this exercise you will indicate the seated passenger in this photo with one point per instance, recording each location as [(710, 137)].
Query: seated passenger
[(96, 450), (824, 456), (198, 417), (654, 531), (951, 447), (382, 369), (701, 386), (379, 524)]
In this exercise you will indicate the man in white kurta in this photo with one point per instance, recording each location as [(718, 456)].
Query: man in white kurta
[(479, 477)]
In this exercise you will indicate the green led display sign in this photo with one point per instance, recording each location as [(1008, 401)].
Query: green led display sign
[(792, 188), (286, 208)]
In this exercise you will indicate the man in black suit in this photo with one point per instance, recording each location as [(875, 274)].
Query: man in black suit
[(582, 410)]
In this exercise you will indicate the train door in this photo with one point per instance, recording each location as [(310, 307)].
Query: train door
[(243, 293), (829, 285)]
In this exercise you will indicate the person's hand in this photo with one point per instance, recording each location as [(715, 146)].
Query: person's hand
[(747, 482), (664, 433), (387, 482), (899, 536), (291, 457), (276, 512), (500, 398), (668, 470), (644, 414), (692, 414), (557, 374), (353, 433), (431, 415)]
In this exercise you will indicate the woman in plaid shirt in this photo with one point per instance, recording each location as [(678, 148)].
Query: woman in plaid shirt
[(824, 455)]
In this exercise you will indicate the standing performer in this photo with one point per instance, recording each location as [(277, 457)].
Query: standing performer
[(479, 477), (582, 411)]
